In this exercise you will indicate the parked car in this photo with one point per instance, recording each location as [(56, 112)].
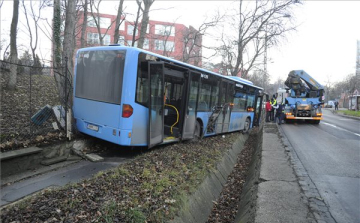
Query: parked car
[(330, 104)]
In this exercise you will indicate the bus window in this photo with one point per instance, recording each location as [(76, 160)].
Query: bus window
[(239, 101), (230, 93), (142, 85), (250, 101), (223, 93), (204, 97), (99, 75), (214, 93)]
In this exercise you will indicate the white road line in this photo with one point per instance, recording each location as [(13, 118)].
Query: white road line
[(340, 128)]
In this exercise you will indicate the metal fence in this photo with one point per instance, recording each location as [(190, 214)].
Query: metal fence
[(35, 111)]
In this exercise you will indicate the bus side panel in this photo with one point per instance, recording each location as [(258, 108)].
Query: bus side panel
[(237, 120), (139, 131), (103, 116)]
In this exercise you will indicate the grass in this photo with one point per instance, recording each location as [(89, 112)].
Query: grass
[(152, 188), (349, 112)]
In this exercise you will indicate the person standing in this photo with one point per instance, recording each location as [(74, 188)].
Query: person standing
[(279, 113), (273, 103), (268, 110), (336, 105)]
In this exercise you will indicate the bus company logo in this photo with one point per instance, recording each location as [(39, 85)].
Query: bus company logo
[(205, 76)]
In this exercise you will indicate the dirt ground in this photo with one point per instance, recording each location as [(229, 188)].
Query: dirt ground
[(151, 188)]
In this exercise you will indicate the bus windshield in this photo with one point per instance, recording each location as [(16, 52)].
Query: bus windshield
[(99, 75)]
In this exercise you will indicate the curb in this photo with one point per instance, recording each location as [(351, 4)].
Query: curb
[(346, 116), (198, 206)]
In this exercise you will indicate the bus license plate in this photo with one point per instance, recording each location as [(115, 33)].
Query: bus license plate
[(93, 127)]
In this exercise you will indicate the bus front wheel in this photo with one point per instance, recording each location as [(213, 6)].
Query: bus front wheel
[(246, 126), (197, 132)]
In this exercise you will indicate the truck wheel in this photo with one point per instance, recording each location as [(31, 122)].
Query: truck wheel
[(316, 122)]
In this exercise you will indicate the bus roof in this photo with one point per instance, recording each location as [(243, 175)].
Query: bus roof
[(117, 46)]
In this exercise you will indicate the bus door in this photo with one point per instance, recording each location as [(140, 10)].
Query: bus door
[(229, 99), (258, 110), (223, 104), (191, 96), (156, 103)]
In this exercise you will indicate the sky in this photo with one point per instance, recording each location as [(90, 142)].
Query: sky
[(324, 44)]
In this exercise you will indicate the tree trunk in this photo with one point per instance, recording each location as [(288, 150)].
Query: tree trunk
[(84, 25), (135, 26), (13, 50), (144, 22), (69, 40), (118, 22)]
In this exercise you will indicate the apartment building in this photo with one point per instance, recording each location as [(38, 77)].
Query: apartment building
[(165, 38)]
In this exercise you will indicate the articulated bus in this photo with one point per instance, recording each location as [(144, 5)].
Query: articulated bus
[(132, 97)]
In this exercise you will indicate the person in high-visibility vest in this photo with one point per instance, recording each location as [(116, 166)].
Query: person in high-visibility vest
[(272, 103)]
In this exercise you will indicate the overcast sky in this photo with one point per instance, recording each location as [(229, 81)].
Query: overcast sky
[(324, 44)]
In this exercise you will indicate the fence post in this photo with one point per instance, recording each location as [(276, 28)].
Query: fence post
[(65, 92), (30, 102)]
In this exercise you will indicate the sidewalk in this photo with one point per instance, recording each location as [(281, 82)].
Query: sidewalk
[(279, 194)]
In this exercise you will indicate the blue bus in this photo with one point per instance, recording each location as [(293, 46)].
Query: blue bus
[(132, 97)]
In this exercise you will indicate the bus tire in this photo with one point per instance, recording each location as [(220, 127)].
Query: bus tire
[(316, 122), (247, 125), (197, 131)]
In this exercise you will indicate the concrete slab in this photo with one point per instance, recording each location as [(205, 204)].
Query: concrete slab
[(280, 201), (18, 153), (53, 160), (277, 170), (94, 157)]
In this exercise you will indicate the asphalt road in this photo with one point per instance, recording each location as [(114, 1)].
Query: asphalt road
[(330, 153)]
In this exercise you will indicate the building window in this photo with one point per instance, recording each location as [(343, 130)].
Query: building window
[(130, 30), (93, 38), (121, 40), (129, 42), (104, 22), (159, 44), (146, 44), (162, 45), (165, 30), (170, 46), (106, 40)]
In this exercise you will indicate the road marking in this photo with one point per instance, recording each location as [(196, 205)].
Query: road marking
[(340, 128)]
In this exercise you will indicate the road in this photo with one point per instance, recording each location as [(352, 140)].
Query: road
[(330, 154)]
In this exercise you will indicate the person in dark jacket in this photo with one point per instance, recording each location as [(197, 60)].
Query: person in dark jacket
[(279, 113)]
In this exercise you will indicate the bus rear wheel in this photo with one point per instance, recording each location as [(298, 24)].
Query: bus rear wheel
[(246, 126), (197, 131)]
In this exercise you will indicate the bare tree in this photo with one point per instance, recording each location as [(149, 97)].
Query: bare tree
[(13, 50), (144, 20), (263, 21), (33, 29), (97, 20), (56, 33), (84, 24), (119, 20), (136, 22)]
